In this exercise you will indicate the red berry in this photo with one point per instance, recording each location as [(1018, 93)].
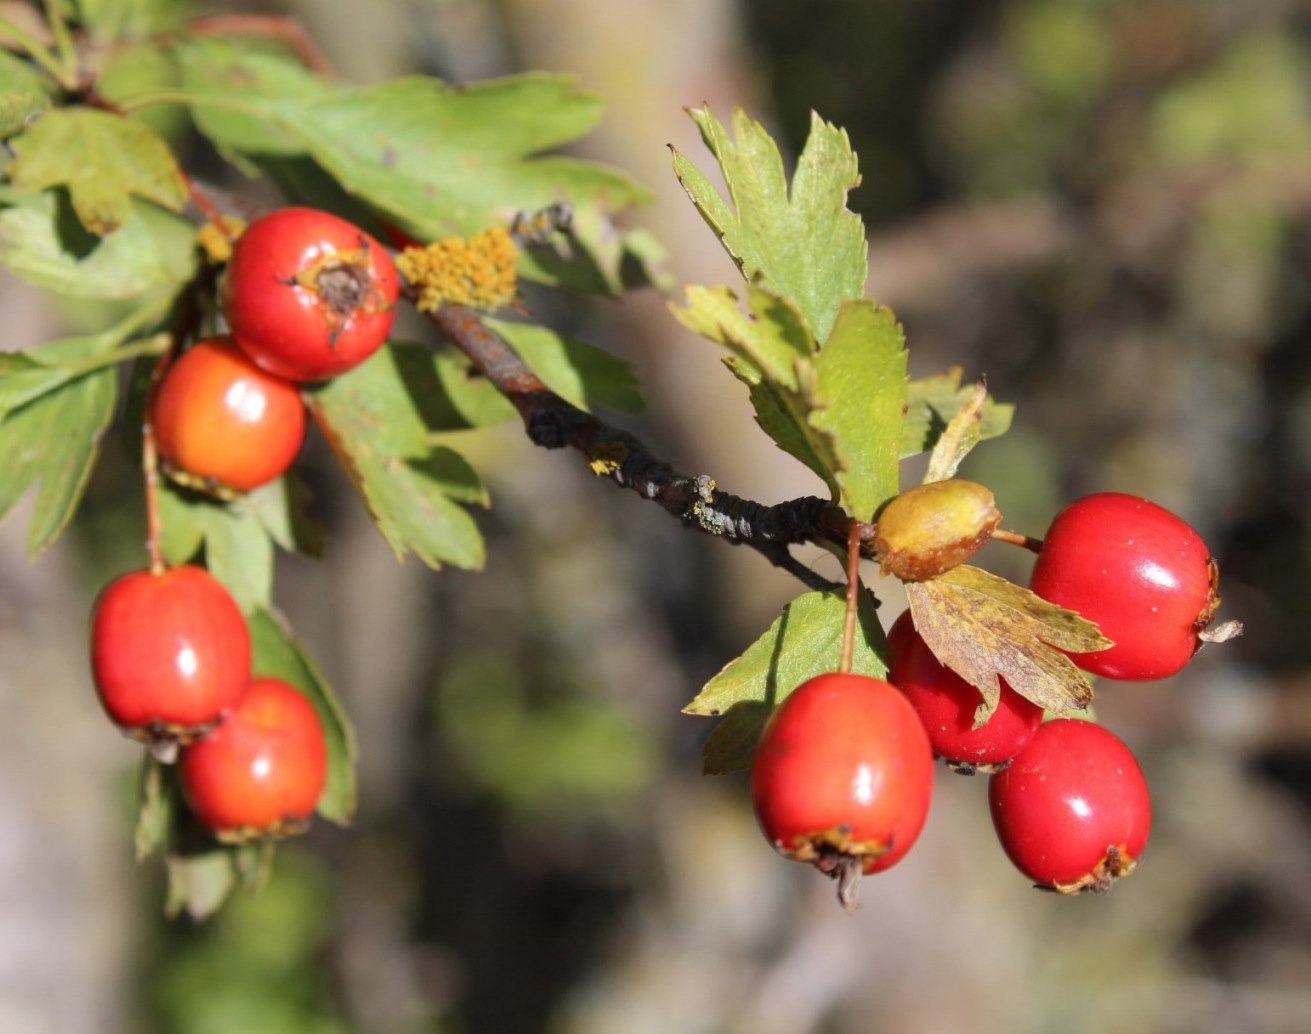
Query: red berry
[(1072, 809), (1143, 575), (170, 652), (946, 703), (842, 776), (221, 418), (308, 295), (261, 772)]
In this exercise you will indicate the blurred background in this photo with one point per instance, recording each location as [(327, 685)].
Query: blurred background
[(1102, 205)]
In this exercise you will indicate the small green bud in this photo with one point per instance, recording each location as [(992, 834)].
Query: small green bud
[(932, 528)]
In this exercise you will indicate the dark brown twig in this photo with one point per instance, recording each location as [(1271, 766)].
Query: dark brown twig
[(554, 423)]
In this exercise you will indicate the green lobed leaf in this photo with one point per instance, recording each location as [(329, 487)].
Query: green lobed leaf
[(41, 241), (772, 355), (581, 373), (278, 655), (861, 394), (782, 414), (103, 159), (437, 160), (455, 397), (156, 800), (53, 442), (933, 401), (236, 543), (379, 420), (22, 94), (282, 507), (221, 74), (984, 627), (800, 241), (804, 641), (442, 159), (455, 160)]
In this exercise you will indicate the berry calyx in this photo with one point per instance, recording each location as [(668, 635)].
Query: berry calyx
[(934, 527), (261, 772), (170, 654), (1072, 810), (221, 422), (1142, 574), (308, 295), (842, 777), (947, 704)]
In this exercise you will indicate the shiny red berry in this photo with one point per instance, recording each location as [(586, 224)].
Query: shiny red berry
[(261, 772), (308, 295), (1072, 810), (220, 419), (842, 776), (170, 652), (1141, 573), (946, 704)]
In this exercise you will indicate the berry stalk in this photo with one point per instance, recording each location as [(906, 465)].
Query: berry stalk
[(853, 597)]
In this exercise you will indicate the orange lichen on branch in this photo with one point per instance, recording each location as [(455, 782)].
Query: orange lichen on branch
[(216, 242), (475, 271)]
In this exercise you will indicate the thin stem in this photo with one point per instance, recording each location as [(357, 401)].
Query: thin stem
[(63, 42), (853, 598), (553, 423), (146, 347), (154, 525), (1015, 538), (150, 462), (38, 52)]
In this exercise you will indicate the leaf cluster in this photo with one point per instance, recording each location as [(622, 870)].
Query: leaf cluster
[(97, 208), (826, 372)]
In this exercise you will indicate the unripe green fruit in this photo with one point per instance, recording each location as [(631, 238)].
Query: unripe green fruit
[(932, 528)]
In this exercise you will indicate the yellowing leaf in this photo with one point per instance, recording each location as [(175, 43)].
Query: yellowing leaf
[(961, 434), (982, 626), (103, 159), (772, 335)]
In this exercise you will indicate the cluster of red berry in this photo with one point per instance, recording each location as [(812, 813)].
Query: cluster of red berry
[(843, 773), (306, 296), (171, 657)]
